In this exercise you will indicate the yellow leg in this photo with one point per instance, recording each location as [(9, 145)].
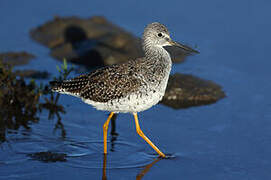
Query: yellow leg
[(138, 130), (105, 128)]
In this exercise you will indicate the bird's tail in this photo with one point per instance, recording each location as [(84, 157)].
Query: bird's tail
[(72, 86), (56, 86)]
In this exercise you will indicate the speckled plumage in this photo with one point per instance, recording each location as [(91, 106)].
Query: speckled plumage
[(129, 87)]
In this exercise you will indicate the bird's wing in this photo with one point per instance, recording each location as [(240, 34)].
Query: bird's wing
[(113, 82)]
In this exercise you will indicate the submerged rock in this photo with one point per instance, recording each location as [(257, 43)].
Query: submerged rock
[(30, 73), (16, 58), (22, 58), (92, 42), (187, 90)]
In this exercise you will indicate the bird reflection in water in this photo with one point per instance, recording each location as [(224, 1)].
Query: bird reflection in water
[(147, 168), (104, 167), (139, 176)]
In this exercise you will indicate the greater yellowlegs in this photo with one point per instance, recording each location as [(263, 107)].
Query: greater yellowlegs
[(130, 87)]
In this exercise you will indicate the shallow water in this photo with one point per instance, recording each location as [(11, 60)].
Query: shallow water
[(227, 140)]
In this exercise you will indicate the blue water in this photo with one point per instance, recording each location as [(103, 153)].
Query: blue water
[(227, 140)]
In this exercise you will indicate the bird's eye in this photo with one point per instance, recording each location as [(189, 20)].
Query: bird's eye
[(159, 34)]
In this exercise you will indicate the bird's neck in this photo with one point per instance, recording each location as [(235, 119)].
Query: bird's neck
[(158, 64), (157, 54)]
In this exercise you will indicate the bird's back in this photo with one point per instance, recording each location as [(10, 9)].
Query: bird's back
[(102, 85)]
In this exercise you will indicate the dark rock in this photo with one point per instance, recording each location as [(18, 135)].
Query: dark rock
[(184, 91), (32, 74), (91, 42), (16, 58), (49, 156)]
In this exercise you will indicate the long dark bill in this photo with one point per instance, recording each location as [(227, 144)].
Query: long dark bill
[(184, 47)]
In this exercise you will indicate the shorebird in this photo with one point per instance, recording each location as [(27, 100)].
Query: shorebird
[(130, 87)]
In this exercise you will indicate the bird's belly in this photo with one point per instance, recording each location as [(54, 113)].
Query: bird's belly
[(136, 102)]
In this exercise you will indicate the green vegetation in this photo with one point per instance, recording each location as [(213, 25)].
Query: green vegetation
[(21, 101)]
